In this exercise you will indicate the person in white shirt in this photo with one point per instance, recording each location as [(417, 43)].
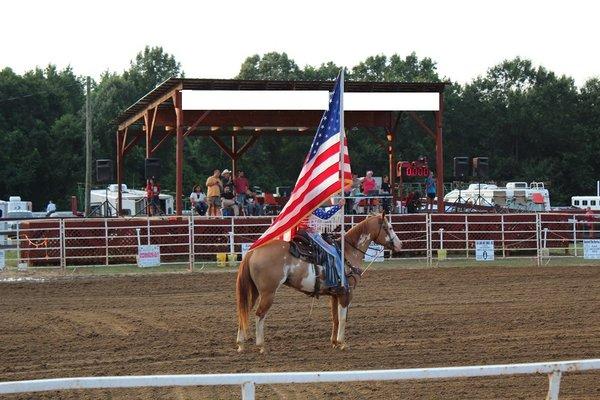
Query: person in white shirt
[(198, 200), (50, 208)]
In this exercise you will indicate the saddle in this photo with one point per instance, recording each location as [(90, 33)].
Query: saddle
[(305, 248)]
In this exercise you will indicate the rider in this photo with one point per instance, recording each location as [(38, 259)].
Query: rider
[(310, 223)]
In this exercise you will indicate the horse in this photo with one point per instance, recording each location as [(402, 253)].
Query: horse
[(263, 270)]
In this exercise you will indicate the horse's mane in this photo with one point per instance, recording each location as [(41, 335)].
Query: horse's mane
[(359, 228)]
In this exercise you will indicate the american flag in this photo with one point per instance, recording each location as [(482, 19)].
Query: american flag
[(319, 178)]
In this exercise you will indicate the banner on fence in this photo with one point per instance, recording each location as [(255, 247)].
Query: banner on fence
[(484, 250), (374, 253), (148, 255), (591, 249), (2, 260), (245, 248)]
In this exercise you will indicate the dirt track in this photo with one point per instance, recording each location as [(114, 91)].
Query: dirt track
[(400, 319)]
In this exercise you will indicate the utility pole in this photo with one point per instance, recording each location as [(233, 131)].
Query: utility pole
[(88, 146)]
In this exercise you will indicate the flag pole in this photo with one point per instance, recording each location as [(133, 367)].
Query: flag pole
[(342, 138)]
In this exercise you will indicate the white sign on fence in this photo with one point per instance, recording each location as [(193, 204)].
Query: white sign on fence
[(2, 260), (591, 249), (148, 255), (484, 250), (245, 248), (374, 253)]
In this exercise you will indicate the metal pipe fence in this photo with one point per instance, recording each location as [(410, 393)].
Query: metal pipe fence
[(187, 240)]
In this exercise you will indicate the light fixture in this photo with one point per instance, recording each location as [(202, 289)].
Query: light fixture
[(236, 128), (214, 128), (168, 128), (389, 136)]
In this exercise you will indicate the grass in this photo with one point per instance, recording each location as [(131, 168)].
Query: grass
[(11, 269)]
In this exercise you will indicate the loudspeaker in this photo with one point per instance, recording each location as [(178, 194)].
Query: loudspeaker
[(481, 167), (461, 168), (104, 171), (152, 168)]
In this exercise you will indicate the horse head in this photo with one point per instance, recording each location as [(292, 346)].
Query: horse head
[(382, 233)]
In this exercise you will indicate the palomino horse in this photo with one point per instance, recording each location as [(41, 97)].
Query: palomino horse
[(264, 270)]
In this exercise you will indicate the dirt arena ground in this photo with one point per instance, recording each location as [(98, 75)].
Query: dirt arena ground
[(401, 318)]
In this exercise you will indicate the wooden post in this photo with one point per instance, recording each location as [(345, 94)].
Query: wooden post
[(88, 147), (235, 156), (439, 156), (119, 172), (179, 153), (392, 166)]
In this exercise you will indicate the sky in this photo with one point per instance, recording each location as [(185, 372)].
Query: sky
[(211, 39)]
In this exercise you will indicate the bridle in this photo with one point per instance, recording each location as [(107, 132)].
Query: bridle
[(389, 244)]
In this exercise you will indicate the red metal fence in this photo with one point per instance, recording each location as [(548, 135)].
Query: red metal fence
[(71, 242)]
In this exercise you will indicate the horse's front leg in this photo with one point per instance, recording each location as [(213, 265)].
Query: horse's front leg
[(334, 321), (342, 311)]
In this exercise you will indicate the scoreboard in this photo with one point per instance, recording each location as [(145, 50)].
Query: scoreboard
[(411, 169)]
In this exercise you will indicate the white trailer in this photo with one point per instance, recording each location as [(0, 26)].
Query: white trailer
[(103, 202)]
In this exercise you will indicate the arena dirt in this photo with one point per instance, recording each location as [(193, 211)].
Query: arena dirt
[(185, 323)]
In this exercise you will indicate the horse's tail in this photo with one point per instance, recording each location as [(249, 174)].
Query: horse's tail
[(246, 292)]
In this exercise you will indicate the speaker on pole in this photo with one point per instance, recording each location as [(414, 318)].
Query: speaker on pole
[(152, 168), (104, 171), (461, 168), (481, 167)]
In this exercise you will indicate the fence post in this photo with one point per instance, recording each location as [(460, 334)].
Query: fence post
[(148, 230), (575, 234), (502, 226), (19, 243), (428, 236), (538, 239), (553, 385), (62, 241), (248, 391), (191, 239), (467, 235), (106, 241)]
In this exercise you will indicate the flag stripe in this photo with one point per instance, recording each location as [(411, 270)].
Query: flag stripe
[(321, 173)]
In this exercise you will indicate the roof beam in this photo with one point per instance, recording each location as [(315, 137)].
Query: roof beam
[(150, 106)]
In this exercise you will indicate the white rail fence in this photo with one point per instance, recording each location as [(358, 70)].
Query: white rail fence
[(187, 240), (248, 382)]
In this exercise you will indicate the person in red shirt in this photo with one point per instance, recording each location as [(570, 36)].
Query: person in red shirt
[(152, 197), (369, 184), (241, 186)]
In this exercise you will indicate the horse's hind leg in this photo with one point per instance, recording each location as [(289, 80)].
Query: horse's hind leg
[(334, 321), (241, 336), (264, 304)]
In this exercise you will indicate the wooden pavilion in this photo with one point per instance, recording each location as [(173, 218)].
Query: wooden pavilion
[(235, 113)]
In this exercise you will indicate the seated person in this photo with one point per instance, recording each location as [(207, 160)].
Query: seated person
[(198, 200), (228, 206), (307, 225), (252, 205)]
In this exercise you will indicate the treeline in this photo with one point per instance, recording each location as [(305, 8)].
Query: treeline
[(533, 124)]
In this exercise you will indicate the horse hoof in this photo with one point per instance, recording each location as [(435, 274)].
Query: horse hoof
[(262, 350), (343, 346), (240, 349)]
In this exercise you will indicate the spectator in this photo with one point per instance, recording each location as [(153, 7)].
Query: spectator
[(252, 205), (228, 203), (386, 191), (50, 208), (153, 197), (430, 191), (198, 200), (369, 184), (226, 179), (242, 187), (213, 193)]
